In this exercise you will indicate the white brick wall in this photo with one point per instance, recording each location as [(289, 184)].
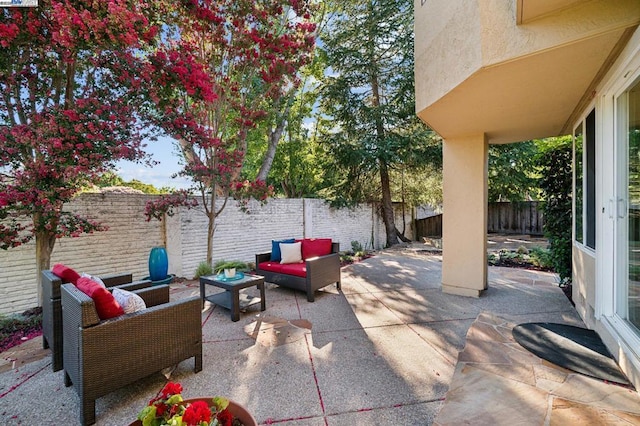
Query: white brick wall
[(127, 243)]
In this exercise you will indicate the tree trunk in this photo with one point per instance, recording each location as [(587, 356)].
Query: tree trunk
[(402, 237), (274, 139), (387, 206), (211, 227), (45, 242)]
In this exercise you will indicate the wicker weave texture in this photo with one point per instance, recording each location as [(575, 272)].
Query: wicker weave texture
[(52, 309), (321, 272), (102, 356)]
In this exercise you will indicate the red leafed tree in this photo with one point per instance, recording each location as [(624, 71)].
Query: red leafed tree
[(69, 109), (250, 52)]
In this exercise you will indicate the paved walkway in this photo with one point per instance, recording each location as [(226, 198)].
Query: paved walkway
[(390, 349)]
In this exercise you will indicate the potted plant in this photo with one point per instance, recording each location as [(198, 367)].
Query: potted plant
[(168, 408), (230, 267)]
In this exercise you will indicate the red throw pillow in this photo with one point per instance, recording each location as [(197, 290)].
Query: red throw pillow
[(67, 274), (106, 304), (312, 247)]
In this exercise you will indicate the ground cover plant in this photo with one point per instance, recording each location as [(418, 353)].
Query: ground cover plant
[(535, 258), (14, 329)]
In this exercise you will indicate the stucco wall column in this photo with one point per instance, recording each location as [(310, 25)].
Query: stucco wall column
[(464, 227)]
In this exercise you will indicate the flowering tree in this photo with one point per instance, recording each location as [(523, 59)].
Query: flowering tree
[(250, 52), (69, 109)]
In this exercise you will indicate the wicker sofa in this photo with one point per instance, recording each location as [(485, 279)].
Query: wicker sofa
[(102, 356), (319, 272), (52, 308)]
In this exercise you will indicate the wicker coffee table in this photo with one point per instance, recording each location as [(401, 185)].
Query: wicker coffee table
[(231, 298)]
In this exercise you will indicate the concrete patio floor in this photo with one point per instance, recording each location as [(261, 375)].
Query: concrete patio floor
[(391, 348)]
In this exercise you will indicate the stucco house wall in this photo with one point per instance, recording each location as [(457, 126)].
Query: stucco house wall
[(496, 71)]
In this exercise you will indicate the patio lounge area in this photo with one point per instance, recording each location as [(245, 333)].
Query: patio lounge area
[(390, 348)]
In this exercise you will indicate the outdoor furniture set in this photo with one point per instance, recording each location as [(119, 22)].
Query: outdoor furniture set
[(111, 343), (308, 264), (108, 345)]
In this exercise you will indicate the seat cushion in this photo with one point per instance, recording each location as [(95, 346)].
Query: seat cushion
[(66, 274), (297, 269), (106, 305), (276, 256), (314, 247)]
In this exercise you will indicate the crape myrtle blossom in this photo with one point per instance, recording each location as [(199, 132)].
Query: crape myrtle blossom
[(76, 96), (249, 53)]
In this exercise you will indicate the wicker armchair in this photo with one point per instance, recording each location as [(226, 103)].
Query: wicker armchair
[(52, 309), (102, 356)]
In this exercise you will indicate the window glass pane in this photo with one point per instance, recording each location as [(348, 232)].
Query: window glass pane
[(577, 183), (590, 179), (632, 301)]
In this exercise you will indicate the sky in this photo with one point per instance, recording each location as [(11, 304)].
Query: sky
[(162, 151)]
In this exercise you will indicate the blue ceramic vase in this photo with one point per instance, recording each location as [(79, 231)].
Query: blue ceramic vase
[(158, 264)]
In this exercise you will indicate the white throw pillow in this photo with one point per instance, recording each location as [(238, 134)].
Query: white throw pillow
[(291, 252), (129, 301), (93, 278)]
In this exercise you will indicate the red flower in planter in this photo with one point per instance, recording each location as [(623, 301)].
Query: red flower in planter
[(225, 418), (168, 407), (197, 413)]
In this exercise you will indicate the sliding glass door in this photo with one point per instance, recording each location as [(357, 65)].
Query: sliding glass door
[(628, 207)]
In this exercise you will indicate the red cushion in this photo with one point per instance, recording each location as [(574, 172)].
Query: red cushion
[(67, 274), (106, 305), (297, 269), (312, 247)]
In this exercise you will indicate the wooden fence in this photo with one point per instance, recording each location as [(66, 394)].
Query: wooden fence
[(524, 217), (429, 227)]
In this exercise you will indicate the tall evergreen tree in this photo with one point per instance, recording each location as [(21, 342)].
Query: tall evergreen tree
[(368, 105), (513, 171)]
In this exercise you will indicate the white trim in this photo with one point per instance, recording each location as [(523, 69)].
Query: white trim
[(625, 337), (582, 245), (605, 199)]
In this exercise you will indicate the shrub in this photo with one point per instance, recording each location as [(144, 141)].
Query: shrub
[(556, 185), (541, 258), (14, 327), (203, 270), (221, 265)]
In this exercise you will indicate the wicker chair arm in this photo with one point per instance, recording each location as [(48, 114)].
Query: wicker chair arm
[(157, 321), (323, 262), (112, 280), (135, 285), (154, 295), (79, 305), (263, 257), (50, 285)]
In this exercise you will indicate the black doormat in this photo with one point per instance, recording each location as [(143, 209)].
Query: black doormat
[(574, 348)]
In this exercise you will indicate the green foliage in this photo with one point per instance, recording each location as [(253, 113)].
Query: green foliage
[(14, 327), (356, 246), (203, 270), (221, 265), (556, 184), (418, 186), (536, 257), (541, 257), (112, 179), (369, 126), (513, 171)]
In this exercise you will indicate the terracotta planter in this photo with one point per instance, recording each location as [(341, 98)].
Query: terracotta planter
[(238, 411)]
